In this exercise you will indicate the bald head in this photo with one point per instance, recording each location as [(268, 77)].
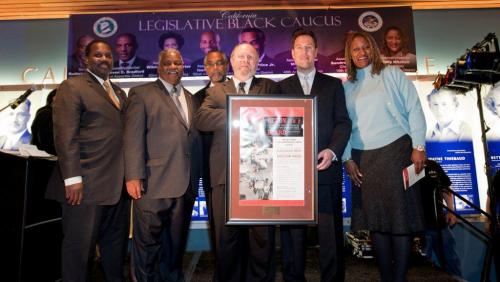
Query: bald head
[(244, 60)]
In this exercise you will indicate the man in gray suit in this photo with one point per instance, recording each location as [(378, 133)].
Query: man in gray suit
[(234, 245), (88, 134), (162, 168)]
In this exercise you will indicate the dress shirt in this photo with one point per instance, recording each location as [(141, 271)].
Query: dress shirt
[(310, 78), (247, 84), (182, 97), (129, 62), (457, 130)]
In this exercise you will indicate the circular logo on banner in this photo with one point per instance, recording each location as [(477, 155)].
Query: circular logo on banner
[(105, 27), (370, 21)]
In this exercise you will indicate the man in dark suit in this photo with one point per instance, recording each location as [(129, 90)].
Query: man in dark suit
[(88, 133), (216, 64), (234, 245), (162, 168), (334, 129), (126, 49)]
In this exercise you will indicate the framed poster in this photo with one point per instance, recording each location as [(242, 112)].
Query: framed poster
[(271, 160)]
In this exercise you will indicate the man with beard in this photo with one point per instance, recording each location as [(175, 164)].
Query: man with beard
[(88, 121), (234, 245), (209, 41), (334, 130), (162, 168)]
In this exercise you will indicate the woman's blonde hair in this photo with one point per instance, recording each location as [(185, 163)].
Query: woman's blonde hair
[(375, 59)]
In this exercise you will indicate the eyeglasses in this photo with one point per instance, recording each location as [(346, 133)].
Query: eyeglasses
[(218, 64)]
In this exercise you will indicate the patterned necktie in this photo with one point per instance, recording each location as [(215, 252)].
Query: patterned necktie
[(175, 96), (241, 89), (124, 65), (306, 86), (111, 95)]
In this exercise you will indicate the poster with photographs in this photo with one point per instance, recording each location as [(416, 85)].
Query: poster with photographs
[(453, 137)]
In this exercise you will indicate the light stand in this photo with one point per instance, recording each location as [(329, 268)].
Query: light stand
[(479, 65)]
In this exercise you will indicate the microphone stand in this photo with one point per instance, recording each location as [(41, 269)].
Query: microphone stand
[(16, 100), (8, 106)]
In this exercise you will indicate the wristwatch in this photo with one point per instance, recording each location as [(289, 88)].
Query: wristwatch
[(420, 148)]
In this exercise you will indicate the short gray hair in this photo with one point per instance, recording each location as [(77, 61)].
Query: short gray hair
[(169, 50)]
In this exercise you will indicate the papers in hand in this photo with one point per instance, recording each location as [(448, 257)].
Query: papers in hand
[(32, 150), (410, 177)]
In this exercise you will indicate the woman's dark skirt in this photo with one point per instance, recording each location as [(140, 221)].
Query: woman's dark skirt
[(381, 203)]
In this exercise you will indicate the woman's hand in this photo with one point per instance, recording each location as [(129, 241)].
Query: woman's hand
[(418, 158), (353, 172)]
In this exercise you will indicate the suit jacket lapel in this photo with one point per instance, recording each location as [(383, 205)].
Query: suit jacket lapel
[(94, 84), (255, 86), (165, 96), (189, 102), (296, 85), (229, 87), (317, 84)]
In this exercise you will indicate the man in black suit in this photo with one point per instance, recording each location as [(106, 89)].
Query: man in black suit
[(162, 169), (216, 64), (334, 129), (88, 119), (257, 39), (126, 48), (243, 253)]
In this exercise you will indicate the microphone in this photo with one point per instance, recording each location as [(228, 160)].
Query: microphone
[(22, 98)]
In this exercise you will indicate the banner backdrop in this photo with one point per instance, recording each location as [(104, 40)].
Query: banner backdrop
[(491, 105), (138, 38)]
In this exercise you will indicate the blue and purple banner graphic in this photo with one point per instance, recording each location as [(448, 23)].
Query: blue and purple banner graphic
[(138, 38), (457, 160)]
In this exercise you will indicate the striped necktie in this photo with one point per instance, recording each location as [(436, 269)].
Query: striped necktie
[(175, 96), (111, 94)]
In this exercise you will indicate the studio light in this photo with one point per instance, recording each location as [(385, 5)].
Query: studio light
[(479, 65)]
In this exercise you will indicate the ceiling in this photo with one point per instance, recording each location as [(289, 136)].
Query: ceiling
[(53, 9)]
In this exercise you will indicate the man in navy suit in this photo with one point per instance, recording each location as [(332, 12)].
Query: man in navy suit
[(334, 130)]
